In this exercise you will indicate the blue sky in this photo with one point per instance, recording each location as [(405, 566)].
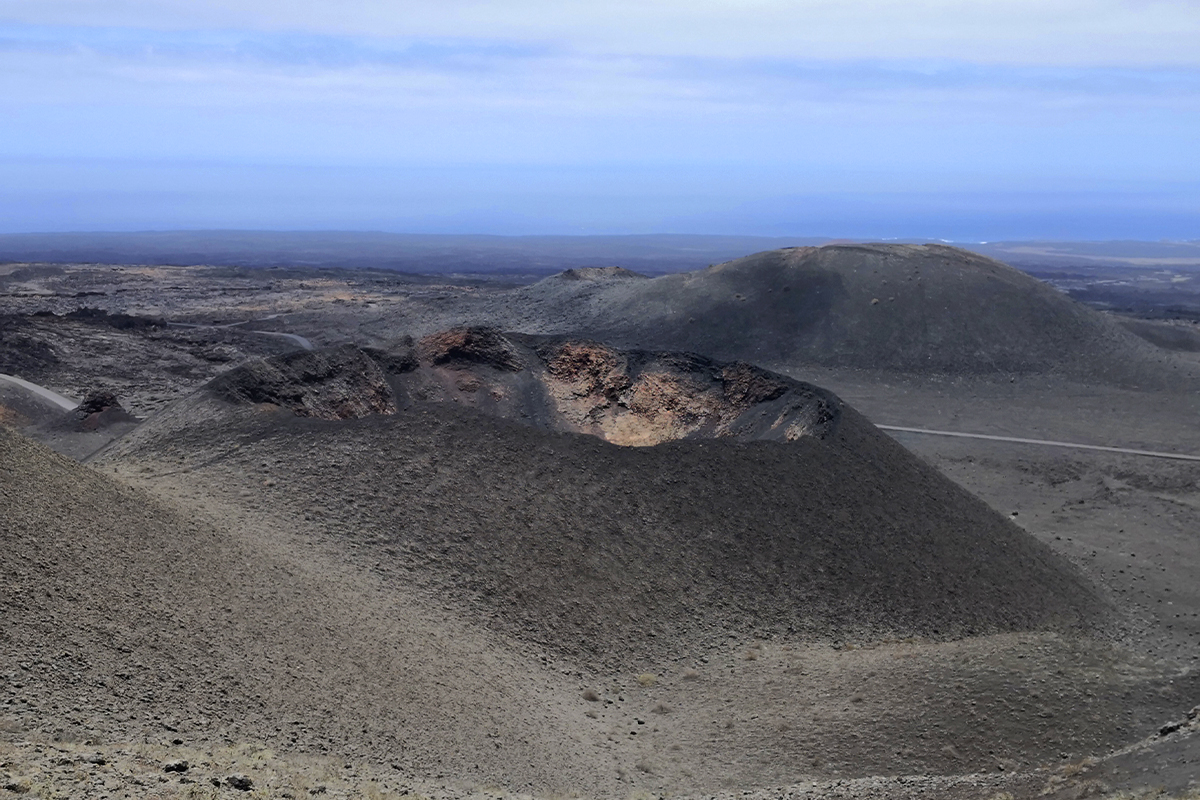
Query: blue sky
[(861, 118)]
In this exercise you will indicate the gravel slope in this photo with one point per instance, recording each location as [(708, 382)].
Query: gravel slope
[(212, 613), (125, 619), (618, 553)]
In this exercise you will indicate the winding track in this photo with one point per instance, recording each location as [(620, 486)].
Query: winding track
[(1019, 440), (65, 403), (296, 339)]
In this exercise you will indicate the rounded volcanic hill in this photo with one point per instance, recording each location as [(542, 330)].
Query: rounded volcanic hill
[(613, 553), (914, 308)]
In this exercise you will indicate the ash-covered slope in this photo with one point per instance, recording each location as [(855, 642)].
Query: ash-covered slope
[(623, 554), (923, 308), (129, 619), (227, 624)]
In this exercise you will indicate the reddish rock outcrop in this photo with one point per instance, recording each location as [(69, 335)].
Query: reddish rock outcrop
[(627, 397)]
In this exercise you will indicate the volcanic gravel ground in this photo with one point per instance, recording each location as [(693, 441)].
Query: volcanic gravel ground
[(750, 711), (621, 552)]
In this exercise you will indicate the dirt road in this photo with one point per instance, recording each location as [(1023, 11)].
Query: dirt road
[(1047, 442), (41, 391)]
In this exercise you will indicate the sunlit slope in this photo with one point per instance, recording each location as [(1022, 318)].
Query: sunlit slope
[(127, 616)]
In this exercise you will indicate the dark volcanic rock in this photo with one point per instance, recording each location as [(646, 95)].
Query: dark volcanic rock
[(100, 409), (397, 357), (22, 353), (334, 383), (240, 782), (98, 402), (99, 316), (468, 346)]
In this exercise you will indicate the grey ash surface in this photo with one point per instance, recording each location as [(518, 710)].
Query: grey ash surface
[(842, 535)]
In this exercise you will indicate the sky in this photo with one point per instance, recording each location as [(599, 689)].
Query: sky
[(966, 120)]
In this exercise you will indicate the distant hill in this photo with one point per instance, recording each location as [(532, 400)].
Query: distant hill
[(918, 308), (476, 253)]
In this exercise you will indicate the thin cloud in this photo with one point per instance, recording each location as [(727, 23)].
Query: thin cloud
[(254, 67), (1041, 32)]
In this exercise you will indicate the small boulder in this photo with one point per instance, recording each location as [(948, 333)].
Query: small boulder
[(1170, 727), (99, 410), (98, 401), (240, 782)]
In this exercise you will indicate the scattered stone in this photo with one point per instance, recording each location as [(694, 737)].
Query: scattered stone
[(176, 766), (240, 782), (1170, 727)]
